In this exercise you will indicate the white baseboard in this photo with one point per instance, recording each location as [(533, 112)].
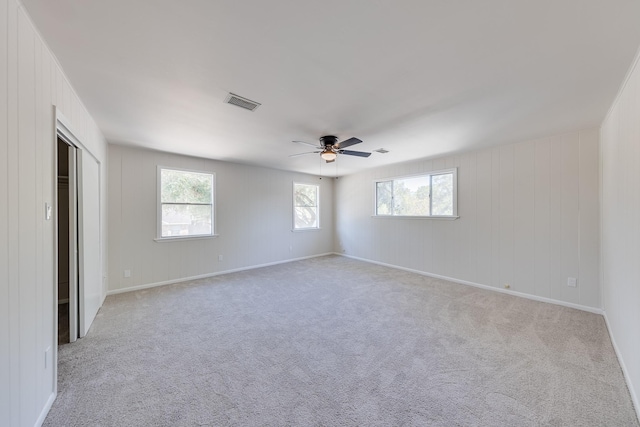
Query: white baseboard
[(625, 372), (478, 285), (204, 276), (45, 410)]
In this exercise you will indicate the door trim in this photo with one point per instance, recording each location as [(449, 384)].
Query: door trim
[(74, 271), (62, 129)]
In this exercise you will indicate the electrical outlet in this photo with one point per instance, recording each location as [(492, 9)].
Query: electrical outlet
[(572, 281), (507, 286), (220, 258), (127, 273)]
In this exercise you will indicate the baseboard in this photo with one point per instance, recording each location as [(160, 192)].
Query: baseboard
[(204, 276), (625, 372), (481, 286), (45, 410)]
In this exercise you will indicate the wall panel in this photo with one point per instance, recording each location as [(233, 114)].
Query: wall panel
[(524, 215), (506, 214), (542, 218), (29, 76), (496, 266), (589, 202), (26, 245), (13, 218), (520, 209), (569, 212), (5, 355), (483, 218), (555, 196), (254, 220)]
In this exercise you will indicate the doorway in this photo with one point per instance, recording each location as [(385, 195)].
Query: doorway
[(67, 225)]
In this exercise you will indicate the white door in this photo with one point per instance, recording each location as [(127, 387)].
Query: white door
[(89, 240)]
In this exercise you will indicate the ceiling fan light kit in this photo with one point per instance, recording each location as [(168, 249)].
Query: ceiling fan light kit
[(328, 155), (330, 148)]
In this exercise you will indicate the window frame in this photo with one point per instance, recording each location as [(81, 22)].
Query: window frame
[(159, 236), (293, 204), (430, 174)]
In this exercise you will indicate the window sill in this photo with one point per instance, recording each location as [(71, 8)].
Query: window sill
[(446, 218), (298, 230), (180, 239)]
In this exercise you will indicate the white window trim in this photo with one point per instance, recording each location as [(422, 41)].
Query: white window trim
[(453, 171), (214, 215), (293, 207)]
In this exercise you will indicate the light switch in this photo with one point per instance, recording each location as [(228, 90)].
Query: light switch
[(47, 357), (47, 211)]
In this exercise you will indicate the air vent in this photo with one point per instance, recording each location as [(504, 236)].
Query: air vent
[(381, 151), (241, 102)]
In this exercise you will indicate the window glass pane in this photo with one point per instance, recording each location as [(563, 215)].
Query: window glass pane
[(306, 217), (384, 198), (411, 196), (185, 187), (442, 196), (305, 203), (186, 220), (306, 195)]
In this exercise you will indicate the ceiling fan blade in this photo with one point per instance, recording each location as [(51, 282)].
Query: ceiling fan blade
[(308, 143), (302, 154), (348, 143), (355, 153)]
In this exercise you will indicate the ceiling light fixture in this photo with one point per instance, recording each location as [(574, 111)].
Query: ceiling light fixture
[(328, 155)]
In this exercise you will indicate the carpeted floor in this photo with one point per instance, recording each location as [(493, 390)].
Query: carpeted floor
[(336, 342)]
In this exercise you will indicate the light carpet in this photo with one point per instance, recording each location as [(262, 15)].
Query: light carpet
[(332, 341)]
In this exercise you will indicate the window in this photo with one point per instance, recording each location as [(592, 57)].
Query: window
[(306, 213), (185, 207), (431, 195)]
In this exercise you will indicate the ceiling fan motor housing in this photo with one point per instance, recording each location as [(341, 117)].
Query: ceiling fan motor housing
[(329, 140)]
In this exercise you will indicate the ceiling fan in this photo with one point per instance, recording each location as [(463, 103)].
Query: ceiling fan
[(329, 148)]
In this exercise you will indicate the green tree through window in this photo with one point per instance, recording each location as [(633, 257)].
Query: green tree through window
[(425, 195), (305, 206), (186, 203)]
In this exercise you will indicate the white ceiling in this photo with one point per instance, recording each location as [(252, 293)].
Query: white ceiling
[(419, 78)]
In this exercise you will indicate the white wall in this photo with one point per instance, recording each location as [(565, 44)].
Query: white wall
[(620, 136), (31, 82), (253, 219), (529, 217)]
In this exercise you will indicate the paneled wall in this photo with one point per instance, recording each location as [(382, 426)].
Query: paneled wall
[(31, 83), (621, 227), (254, 216), (529, 217)]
